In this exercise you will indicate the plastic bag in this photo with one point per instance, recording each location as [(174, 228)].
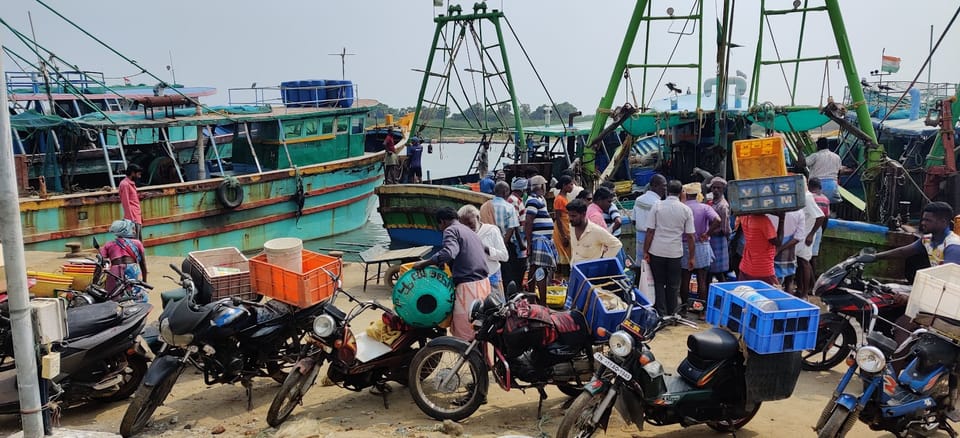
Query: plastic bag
[(645, 284)]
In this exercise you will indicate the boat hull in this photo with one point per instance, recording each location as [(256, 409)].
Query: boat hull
[(408, 210), (184, 217)]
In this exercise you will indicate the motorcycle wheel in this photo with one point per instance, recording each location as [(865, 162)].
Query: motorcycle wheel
[(290, 394), (146, 400), (827, 355), (461, 396), (733, 425), (576, 421), (834, 425), (391, 275), (132, 376)]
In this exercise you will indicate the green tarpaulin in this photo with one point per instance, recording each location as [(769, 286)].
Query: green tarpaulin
[(34, 120)]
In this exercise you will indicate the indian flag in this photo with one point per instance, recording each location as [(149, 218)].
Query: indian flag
[(890, 64)]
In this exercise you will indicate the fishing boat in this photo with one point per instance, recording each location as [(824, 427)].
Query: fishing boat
[(296, 170)]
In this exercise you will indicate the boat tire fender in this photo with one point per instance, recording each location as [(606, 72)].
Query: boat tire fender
[(230, 193)]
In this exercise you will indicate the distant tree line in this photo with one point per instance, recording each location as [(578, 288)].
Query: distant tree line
[(475, 113)]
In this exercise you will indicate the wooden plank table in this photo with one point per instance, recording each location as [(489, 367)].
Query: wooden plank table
[(379, 255)]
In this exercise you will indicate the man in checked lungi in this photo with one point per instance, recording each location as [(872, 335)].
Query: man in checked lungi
[(706, 222), (538, 229), (463, 250), (720, 239)]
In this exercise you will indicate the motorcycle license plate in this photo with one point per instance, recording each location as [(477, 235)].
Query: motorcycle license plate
[(605, 361)]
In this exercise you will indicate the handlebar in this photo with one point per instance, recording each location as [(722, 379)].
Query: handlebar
[(177, 270), (874, 310)]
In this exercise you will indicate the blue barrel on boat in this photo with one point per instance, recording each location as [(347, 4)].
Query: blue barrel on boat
[(308, 93), (333, 92), (346, 94), (289, 93)]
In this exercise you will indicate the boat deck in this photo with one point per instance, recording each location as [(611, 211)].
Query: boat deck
[(138, 119)]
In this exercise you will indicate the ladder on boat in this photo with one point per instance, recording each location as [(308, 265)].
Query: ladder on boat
[(121, 164)]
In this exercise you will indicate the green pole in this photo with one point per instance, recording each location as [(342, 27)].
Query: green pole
[(601, 117), (426, 74), (796, 67), (758, 58), (521, 144), (853, 79)]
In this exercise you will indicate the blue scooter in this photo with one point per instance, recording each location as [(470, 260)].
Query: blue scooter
[(914, 402)]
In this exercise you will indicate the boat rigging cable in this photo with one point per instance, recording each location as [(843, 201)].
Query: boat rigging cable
[(680, 36), (132, 62)]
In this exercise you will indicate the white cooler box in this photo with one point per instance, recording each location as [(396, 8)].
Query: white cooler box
[(935, 298)]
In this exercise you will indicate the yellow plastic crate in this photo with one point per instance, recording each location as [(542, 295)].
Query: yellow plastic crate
[(47, 283), (759, 158), (556, 295)]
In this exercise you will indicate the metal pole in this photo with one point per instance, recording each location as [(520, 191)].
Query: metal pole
[(201, 155), (521, 143), (15, 265), (930, 64)]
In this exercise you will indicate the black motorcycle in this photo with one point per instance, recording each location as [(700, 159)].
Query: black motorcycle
[(841, 289), (356, 361), (530, 346), (229, 341), (710, 388), (96, 292), (103, 359)]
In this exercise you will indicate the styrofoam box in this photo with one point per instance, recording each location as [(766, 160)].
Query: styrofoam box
[(936, 291)]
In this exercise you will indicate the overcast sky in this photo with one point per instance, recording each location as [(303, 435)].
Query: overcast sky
[(573, 44)]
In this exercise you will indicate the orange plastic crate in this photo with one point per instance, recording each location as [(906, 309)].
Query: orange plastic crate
[(299, 289), (759, 158)]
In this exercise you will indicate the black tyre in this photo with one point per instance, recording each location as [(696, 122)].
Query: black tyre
[(833, 428), (460, 395), (132, 377), (391, 275), (146, 400), (733, 425), (290, 394), (577, 419), (833, 345), (570, 389)]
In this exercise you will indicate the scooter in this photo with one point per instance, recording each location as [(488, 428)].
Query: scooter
[(836, 335), (356, 361), (914, 402), (104, 359), (710, 387), (525, 345)]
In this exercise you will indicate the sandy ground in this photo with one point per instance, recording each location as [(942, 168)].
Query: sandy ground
[(194, 409)]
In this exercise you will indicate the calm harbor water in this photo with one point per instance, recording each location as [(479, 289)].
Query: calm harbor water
[(447, 159)]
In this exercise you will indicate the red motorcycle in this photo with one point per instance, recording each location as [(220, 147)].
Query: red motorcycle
[(836, 335)]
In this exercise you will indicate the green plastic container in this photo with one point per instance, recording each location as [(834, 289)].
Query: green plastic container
[(424, 298)]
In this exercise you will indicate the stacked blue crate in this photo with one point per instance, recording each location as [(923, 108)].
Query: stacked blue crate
[(606, 274), (792, 327)]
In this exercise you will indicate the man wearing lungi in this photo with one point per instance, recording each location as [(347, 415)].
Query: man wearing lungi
[(706, 222), (463, 251), (720, 239)]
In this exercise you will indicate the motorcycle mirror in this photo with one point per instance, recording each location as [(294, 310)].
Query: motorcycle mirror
[(96, 244), (868, 251)]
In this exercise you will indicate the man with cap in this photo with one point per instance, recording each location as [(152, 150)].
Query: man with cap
[(667, 223), (487, 183), (464, 251), (517, 245), (538, 229), (720, 239), (414, 158), (706, 222)]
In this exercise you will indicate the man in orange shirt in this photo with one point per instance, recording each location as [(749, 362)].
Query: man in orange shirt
[(762, 241)]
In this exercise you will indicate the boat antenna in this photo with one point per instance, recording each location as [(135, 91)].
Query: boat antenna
[(43, 67), (343, 61), (173, 72)]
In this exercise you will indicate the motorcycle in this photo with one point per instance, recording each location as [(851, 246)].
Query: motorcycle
[(836, 335), (355, 361), (229, 341), (104, 358), (710, 388), (525, 345), (96, 292), (914, 402)]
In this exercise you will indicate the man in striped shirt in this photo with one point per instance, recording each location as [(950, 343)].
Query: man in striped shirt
[(538, 228)]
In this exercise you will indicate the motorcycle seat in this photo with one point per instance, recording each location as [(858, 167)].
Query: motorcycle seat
[(94, 318), (713, 344)]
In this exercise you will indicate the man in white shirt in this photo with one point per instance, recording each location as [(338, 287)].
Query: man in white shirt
[(667, 223), (826, 165), (642, 206), (588, 241), (493, 246), (813, 219), (794, 232)]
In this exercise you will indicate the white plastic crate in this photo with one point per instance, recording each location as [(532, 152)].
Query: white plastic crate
[(936, 291)]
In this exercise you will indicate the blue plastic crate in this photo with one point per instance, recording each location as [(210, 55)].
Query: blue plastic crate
[(719, 303), (598, 317), (767, 195), (585, 275), (793, 327)]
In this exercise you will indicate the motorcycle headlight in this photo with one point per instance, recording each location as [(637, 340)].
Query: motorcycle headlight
[(167, 336), (870, 359), (621, 343), (324, 325)]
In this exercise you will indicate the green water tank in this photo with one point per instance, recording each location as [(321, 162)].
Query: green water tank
[(424, 297)]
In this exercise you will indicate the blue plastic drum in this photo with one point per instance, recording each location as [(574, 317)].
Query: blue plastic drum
[(423, 298)]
